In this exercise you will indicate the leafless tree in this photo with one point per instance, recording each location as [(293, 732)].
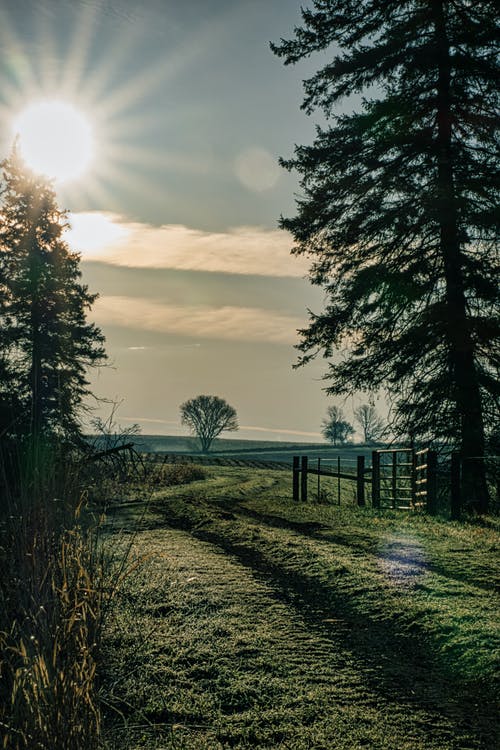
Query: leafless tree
[(207, 417), (370, 422), (335, 428)]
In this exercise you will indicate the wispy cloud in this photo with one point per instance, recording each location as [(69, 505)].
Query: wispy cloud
[(150, 420), (283, 431), (242, 250), (228, 323)]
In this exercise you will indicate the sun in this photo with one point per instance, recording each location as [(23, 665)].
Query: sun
[(55, 139)]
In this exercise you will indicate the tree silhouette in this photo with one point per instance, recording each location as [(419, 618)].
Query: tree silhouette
[(370, 422), (397, 212), (335, 429), (207, 417), (46, 342)]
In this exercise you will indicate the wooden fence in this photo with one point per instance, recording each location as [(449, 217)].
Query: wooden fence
[(400, 478)]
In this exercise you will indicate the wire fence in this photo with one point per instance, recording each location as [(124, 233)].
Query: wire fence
[(404, 479)]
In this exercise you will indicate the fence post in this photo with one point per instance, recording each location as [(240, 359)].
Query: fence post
[(295, 478), (338, 479), (375, 479), (431, 482), (303, 479), (456, 500), (414, 464), (319, 479), (360, 486), (394, 478)]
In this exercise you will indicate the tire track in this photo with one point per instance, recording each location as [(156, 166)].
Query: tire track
[(241, 657)]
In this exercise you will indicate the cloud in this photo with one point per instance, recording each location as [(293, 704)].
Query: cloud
[(150, 420), (112, 239), (227, 322), (283, 431)]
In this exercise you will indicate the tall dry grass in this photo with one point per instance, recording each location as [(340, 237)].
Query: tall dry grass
[(53, 589)]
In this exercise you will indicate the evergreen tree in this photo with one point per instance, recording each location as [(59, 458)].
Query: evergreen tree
[(398, 211), (46, 342)]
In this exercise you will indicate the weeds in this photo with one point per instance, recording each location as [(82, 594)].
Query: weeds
[(54, 589), (59, 578)]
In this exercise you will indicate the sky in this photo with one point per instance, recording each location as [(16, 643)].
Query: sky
[(176, 212)]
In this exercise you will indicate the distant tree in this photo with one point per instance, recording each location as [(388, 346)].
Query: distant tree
[(372, 425), (207, 417), (46, 343), (398, 211), (335, 429)]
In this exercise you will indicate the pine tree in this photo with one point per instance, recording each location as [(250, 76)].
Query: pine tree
[(398, 212), (46, 342)]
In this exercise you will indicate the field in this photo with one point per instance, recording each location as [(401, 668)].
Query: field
[(250, 621), (265, 450)]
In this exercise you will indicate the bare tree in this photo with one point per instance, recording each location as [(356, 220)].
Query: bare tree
[(207, 417), (370, 422), (335, 428)]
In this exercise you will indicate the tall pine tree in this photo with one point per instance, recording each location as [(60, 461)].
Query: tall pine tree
[(398, 211), (46, 343)]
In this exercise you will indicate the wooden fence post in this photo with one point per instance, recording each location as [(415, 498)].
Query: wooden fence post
[(338, 479), (295, 478), (394, 483), (375, 479), (360, 485), (414, 463), (303, 479), (319, 480), (456, 500), (431, 482)]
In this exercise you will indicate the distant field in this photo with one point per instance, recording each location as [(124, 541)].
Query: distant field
[(264, 450)]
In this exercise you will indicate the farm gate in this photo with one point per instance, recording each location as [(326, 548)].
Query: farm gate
[(400, 478)]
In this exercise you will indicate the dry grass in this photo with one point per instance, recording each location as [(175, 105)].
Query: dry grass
[(49, 653), (54, 589), (58, 580)]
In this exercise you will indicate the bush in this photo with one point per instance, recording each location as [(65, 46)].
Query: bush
[(170, 475)]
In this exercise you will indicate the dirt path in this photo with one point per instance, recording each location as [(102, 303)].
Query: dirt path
[(209, 651)]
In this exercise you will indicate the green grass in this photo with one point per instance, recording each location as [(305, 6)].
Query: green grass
[(256, 622)]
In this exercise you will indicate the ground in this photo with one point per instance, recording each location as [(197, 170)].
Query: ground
[(249, 621)]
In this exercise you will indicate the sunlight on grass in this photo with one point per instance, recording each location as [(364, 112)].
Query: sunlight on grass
[(260, 622)]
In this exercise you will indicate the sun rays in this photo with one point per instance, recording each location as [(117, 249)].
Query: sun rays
[(104, 142)]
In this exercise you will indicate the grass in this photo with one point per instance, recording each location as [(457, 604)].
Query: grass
[(256, 622), (50, 601)]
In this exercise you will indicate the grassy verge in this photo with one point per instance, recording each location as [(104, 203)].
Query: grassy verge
[(259, 623)]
